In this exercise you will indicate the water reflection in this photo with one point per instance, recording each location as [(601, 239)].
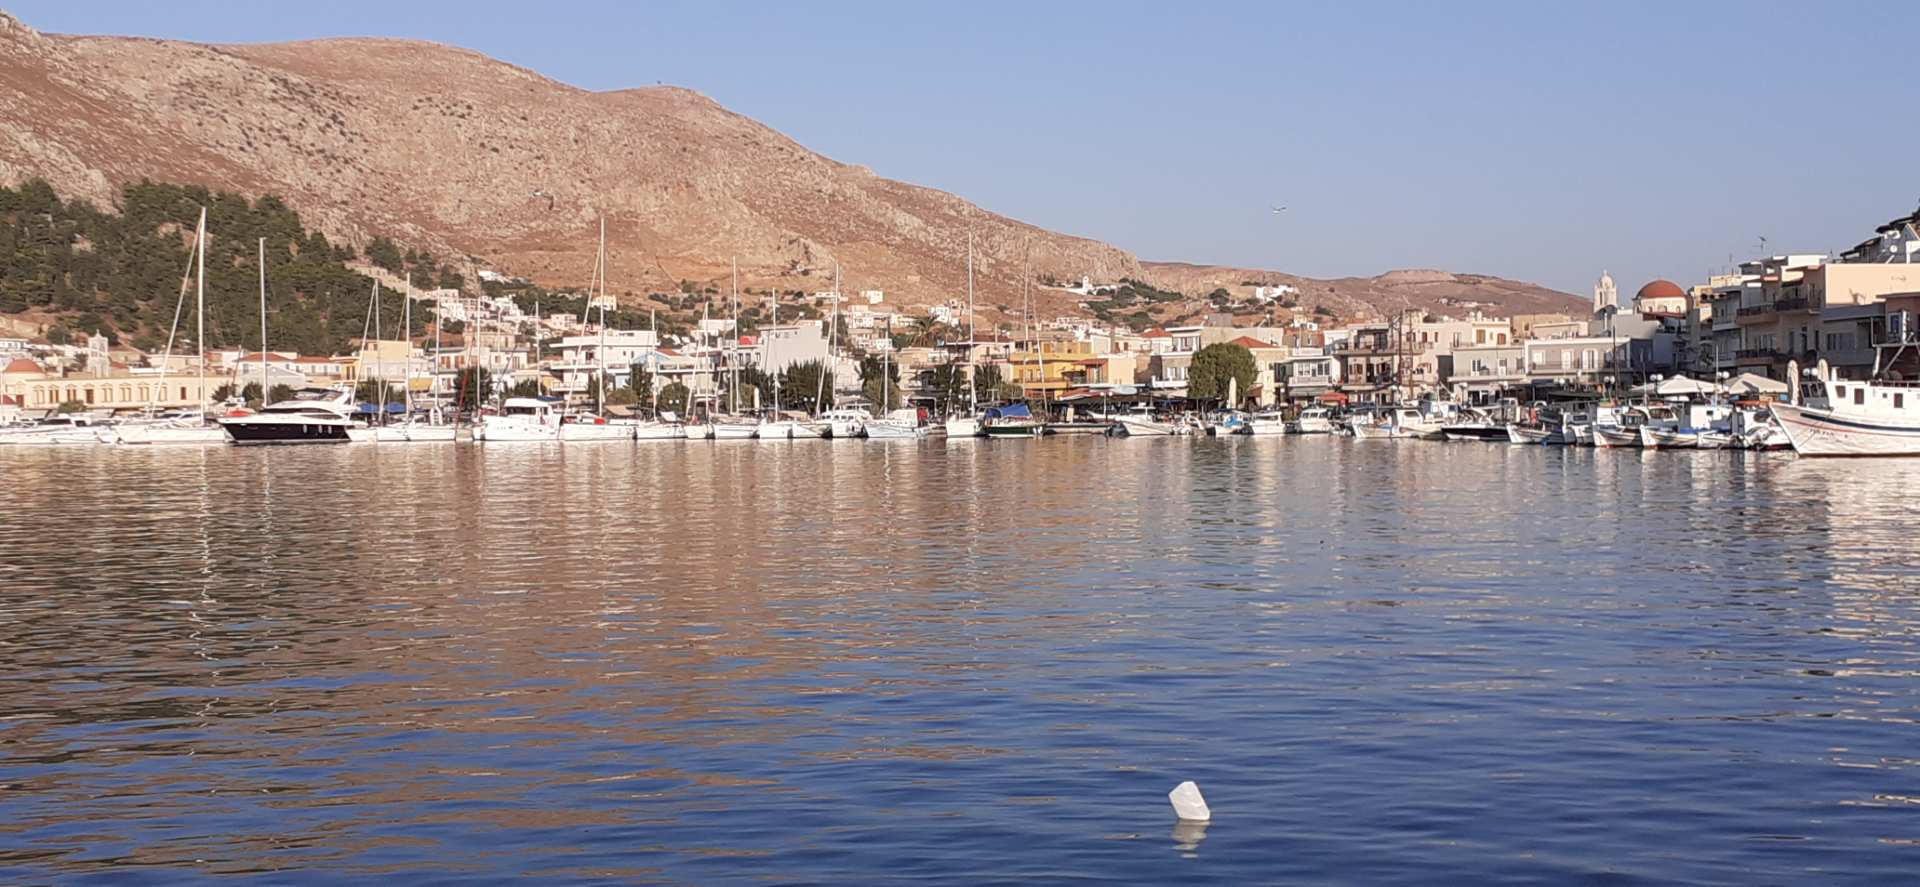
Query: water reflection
[(844, 663)]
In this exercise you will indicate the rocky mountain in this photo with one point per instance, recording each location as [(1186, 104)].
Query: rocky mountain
[(464, 155)]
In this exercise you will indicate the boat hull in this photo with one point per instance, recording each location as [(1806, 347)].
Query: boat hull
[(1657, 439), (491, 431), (1475, 432), (733, 431), (171, 435), (594, 432), (881, 429), (963, 426), (1611, 438), (251, 431), (1814, 432), (1145, 428)]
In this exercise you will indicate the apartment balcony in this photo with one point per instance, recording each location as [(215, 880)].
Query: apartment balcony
[(1377, 349), (1801, 303), (1757, 357), (1752, 315)]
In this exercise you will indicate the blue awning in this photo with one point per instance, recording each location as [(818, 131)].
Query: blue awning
[(374, 408), (1010, 411)]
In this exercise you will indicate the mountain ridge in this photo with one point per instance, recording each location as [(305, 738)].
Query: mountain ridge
[(451, 150)]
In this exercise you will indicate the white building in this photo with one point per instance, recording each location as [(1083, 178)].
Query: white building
[(581, 357)]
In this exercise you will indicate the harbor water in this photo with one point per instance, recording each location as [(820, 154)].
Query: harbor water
[(977, 661)]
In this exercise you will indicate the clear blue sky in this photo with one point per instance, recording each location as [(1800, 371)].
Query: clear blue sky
[(1541, 141)]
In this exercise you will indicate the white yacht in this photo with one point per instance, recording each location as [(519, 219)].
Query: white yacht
[(520, 419), (312, 415), (734, 428)]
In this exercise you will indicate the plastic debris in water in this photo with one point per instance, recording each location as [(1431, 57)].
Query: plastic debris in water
[(1188, 804)]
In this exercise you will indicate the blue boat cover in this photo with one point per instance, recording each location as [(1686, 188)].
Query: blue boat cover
[(1010, 411)]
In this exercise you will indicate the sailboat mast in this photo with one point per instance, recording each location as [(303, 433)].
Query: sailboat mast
[(263, 322), (378, 364), (200, 306), (600, 387), (973, 394), (406, 328), (766, 352), (733, 345)]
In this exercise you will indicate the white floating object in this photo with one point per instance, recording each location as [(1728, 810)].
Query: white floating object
[(1187, 803)]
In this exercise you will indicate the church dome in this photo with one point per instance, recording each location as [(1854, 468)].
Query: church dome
[(1660, 289)]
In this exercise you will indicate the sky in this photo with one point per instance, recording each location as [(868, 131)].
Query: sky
[(1538, 141)]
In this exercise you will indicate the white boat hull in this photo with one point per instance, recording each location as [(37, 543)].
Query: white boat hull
[(1616, 437), (883, 429), (1313, 426), (1667, 439), (1823, 433), (491, 430), (1367, 431), (1266, 428), (1149, 428), (697, 431), (61, 437), (844, 428), (171, 435), (431, 433), (594, 432), (963, 426), (658, 431), (734, 430)]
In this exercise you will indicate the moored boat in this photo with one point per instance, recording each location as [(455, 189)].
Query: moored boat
[(312, 415)]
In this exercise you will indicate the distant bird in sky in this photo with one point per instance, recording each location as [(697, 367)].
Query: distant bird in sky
[(1279, 209)]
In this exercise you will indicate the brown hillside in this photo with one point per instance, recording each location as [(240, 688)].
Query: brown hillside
[(451, 151)]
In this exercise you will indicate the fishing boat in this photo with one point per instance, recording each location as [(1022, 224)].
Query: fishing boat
[(1539, 434), (1653, 438), (1371, 426), (311, 415), (1266, 422), (1474, 424), (521, 420), (1414, 423), (1313, 420), (1136, 425), (1860, 418), (1012, 420)]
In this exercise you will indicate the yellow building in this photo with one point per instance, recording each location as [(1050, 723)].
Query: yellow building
[(1046, 369), (26, 385)]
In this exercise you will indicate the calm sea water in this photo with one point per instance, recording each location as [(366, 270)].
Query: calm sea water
[(972, 661)]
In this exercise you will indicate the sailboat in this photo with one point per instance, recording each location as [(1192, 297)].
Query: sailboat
[(594, 427), (900, 424), (775, 426), (413, 430), (190, 427), (967, 424), (733, 426)]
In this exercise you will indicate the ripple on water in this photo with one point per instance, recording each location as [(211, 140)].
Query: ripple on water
[(832, 662)]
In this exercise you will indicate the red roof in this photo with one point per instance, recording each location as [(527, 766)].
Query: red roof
[(23, 365), (1251, 342), (1158, 333), (1661, 289)]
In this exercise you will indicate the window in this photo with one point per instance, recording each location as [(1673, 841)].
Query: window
[(1859, 395), (1479, 337), (1566, 358), (1899, 401)]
